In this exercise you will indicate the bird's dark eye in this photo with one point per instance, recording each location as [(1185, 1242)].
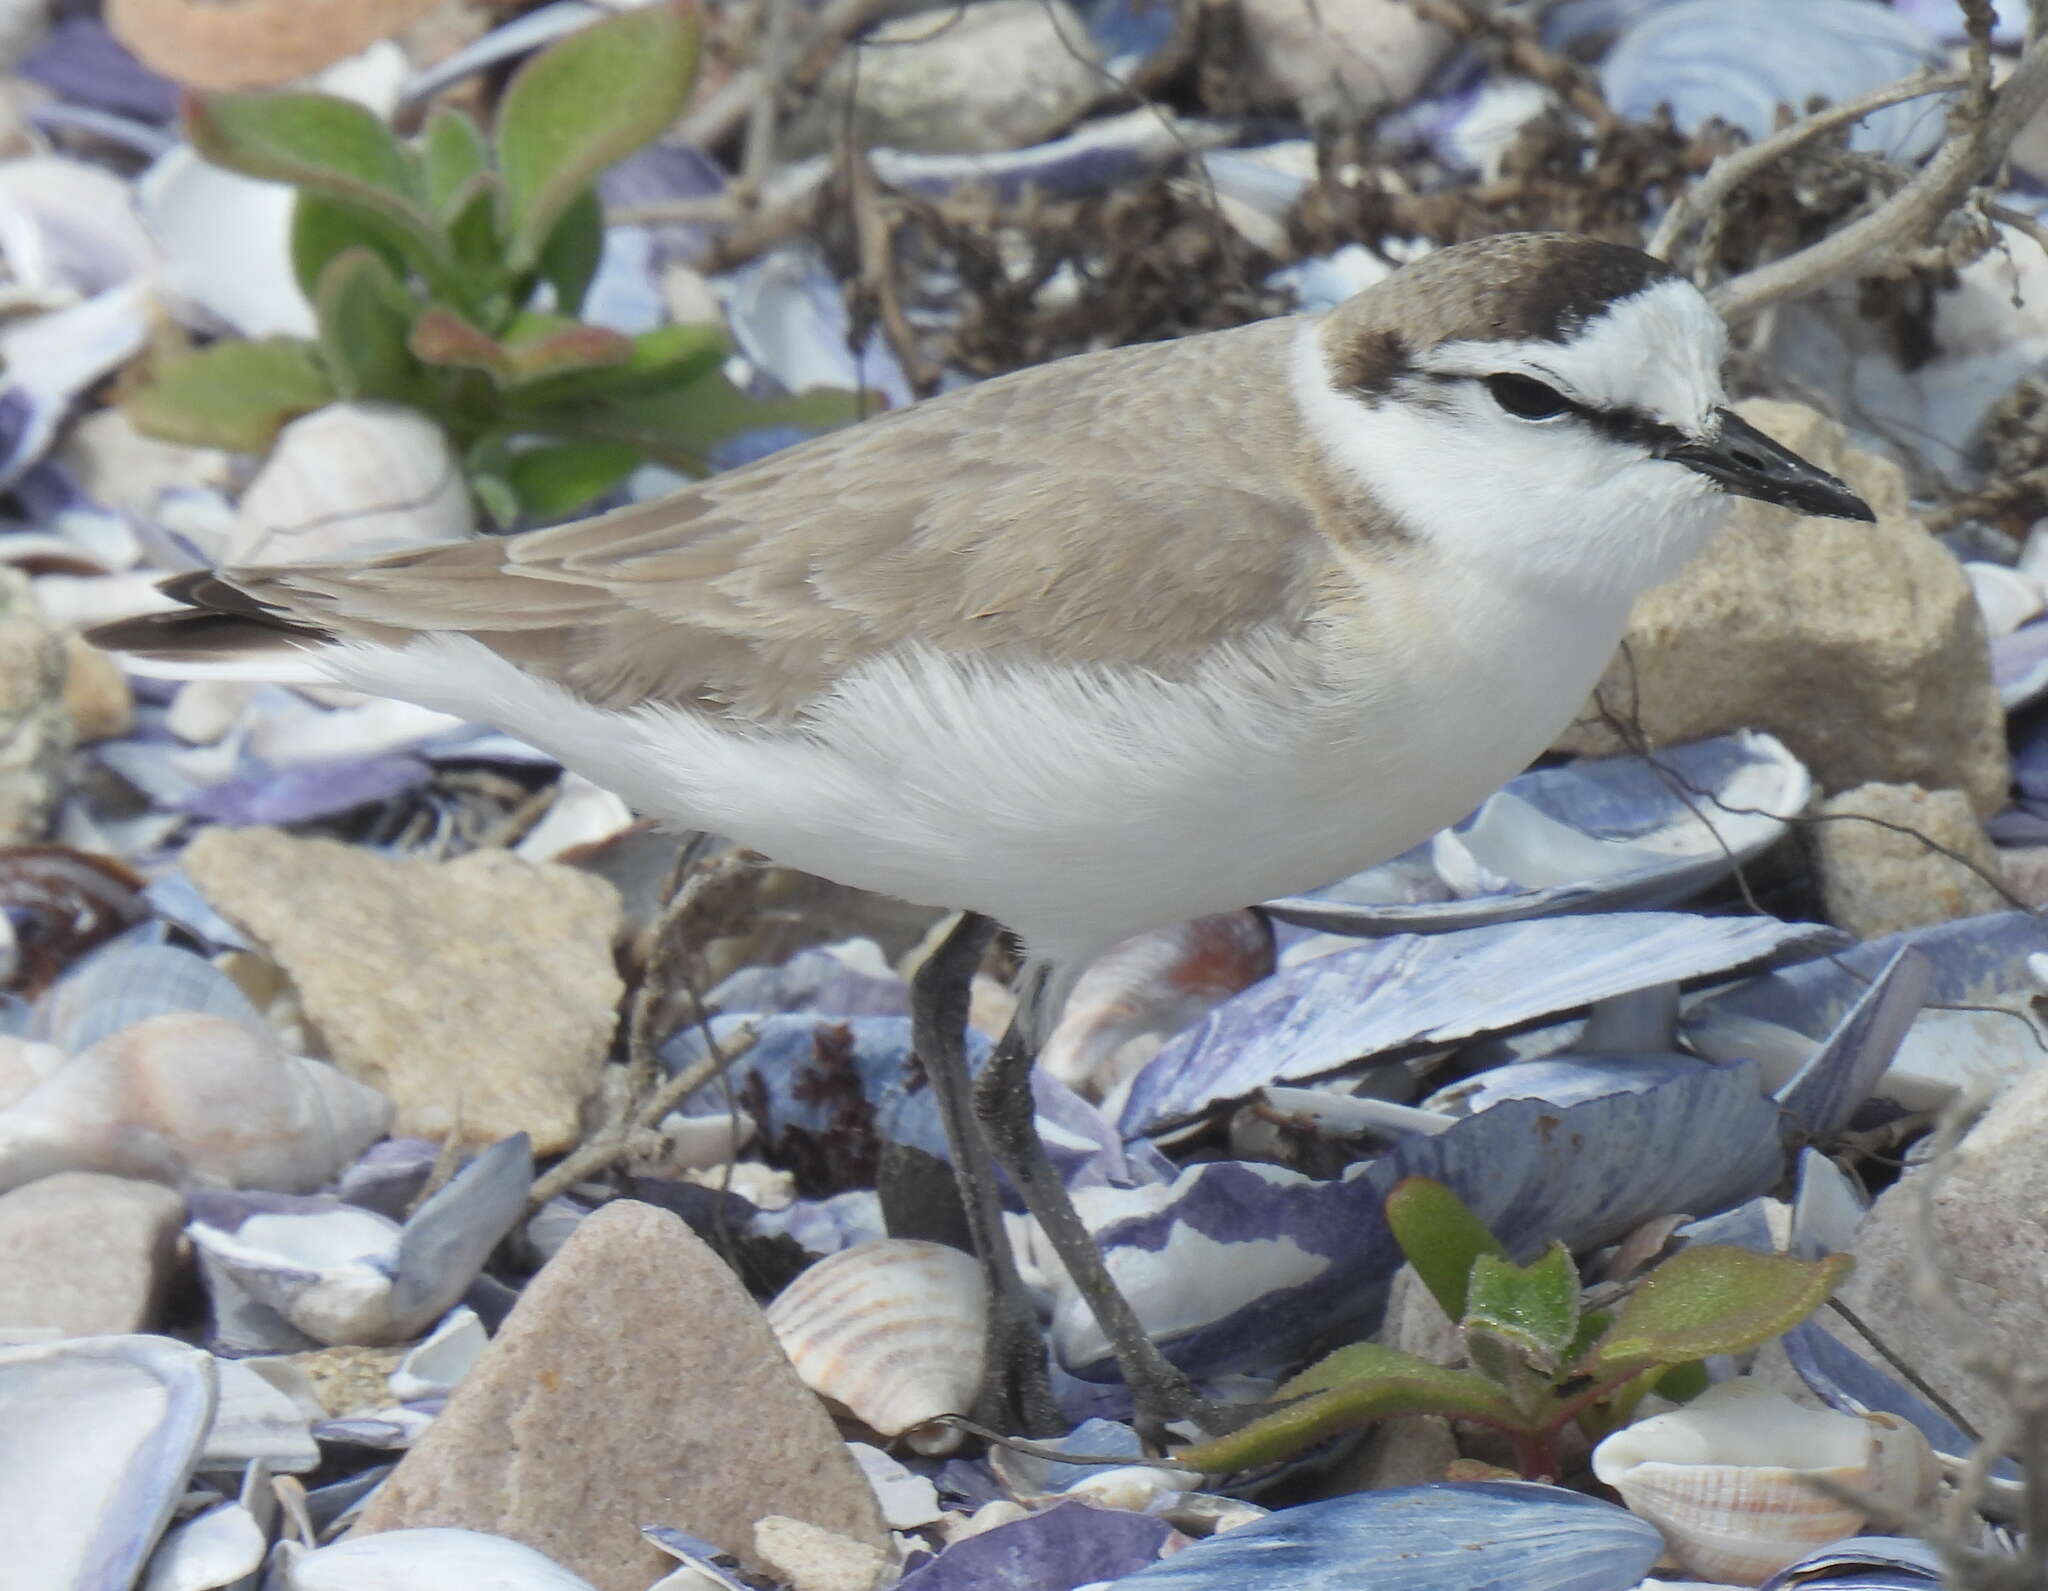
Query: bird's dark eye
[(1526, 398)]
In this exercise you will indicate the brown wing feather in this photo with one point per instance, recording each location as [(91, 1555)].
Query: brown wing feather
[(1039, 514)]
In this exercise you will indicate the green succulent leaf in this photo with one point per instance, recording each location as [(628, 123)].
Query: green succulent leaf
[(577, 107), (1531, 1311), (486, 291), (1711, 1299), (569, 258), (555, 480), (324, 229), (1352, 1387), (232, 395), (453, 154), (321, 144), (1441, 1237), (364, 318)]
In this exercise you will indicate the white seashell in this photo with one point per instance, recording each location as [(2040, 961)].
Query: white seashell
[(340, 1274), (2007, 598), (259, 1418), (1722, 1478), (98, 1438), (434, 1366), (67, 229), (438, 1559), (226, 241), (204, 710), (893, 1329), (349, 479), (192, 1100), (1137, 1488), (213, 1551), (581, 814), (50, 359), (907, 1500)]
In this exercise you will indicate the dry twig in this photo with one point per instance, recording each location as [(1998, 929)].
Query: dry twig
[(1981, 130)]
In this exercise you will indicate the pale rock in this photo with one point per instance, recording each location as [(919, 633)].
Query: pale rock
[(1972, 1282), (480, 994), (117, 466), (980, 79), (1859, 646), (97, 699), (811, 1559), (348, 480), (86, 1255), (1414, 1322), (1331, 57), (635, 1381), (1876, 880), (204, 710), (35, 728), (192, 1100), (253, 43), (2025, 871)]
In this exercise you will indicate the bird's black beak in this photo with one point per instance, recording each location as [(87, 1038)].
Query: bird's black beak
[(1741, 459)]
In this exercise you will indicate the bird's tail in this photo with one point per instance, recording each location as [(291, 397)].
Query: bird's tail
[(220, 632)]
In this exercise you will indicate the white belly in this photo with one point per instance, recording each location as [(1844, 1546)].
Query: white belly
[(1076, 807)]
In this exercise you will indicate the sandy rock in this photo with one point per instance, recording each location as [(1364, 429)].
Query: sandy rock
[(635, 1382), (991, 76), (253, 43), (35, 730), (96, 695), (86, 1255), (810, 1559), (479, 994), (1327, 57), (1859, 646), (1876, 880), (1977, 1282)]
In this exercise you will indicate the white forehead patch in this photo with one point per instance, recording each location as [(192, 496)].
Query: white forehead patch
[(1658, 351)]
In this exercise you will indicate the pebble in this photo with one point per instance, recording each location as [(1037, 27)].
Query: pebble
[(1859, 646), (479, 994), (811, 1559), (1332, 57), (1969, 1282), (1876, 880), (253, 43), (35, 729), (116, 465), (86, 1255), (977, 79), (634, 1383), (97, 699)]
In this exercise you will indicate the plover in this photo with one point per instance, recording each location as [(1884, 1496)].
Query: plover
[(1104, 644)]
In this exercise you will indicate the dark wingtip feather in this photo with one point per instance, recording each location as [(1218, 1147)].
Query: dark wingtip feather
[(219, 624)]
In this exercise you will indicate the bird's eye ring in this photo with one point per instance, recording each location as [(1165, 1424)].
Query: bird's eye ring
[(1526, 398)]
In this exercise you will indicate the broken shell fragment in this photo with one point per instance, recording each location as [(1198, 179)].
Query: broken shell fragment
[(893, 1330), (1728, 1478)]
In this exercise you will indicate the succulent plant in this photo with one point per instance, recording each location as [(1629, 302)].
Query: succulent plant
[(1538, 1359), (447, 273)]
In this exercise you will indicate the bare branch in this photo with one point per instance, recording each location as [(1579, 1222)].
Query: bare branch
[(1732, 170), (1973, 147)]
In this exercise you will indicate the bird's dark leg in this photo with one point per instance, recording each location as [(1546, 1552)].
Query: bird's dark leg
[(1016, 1393), (1003, 1103)]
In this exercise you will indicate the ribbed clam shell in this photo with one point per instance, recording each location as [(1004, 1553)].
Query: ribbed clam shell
[(1726, 1479), (892, 1329)]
